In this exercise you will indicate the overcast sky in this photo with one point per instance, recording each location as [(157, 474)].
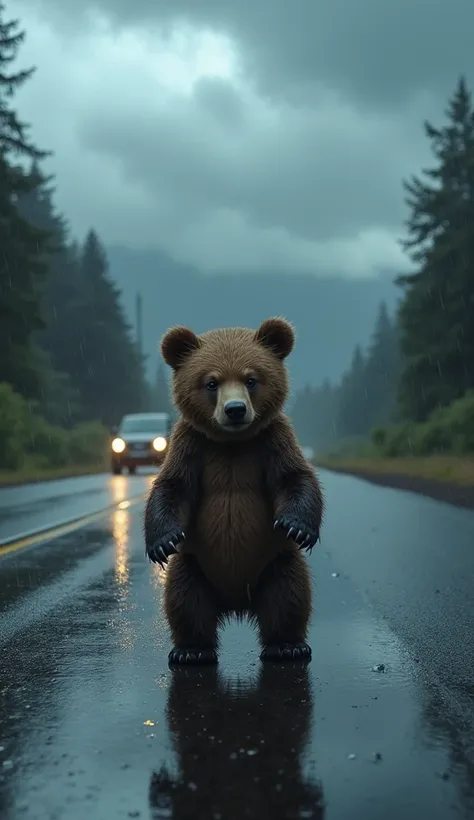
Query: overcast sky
[(251, 133)]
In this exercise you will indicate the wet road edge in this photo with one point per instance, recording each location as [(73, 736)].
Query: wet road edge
[(444, 491)]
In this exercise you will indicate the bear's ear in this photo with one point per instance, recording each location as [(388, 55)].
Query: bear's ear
[(176, 344), (278, 335)]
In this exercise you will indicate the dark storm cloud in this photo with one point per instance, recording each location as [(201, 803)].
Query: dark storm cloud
[(318, 174), (293, 159), (376, 51)]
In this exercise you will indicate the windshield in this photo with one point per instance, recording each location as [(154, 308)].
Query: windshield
[(145, 425)]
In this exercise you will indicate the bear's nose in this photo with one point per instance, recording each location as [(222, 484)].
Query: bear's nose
[(235, 410)]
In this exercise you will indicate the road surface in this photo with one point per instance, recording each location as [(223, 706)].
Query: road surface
[(94, 725), (32, 506)]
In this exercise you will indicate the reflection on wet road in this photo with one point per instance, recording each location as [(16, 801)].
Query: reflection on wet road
[(94, 724)]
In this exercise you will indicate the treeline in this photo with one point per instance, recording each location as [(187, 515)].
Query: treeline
[(422, 400), (366, 395), (68, 356)]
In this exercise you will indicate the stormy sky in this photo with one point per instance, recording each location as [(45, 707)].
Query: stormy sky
[(242, 159), (242, 134)]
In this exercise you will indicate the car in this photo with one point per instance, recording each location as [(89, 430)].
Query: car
[(140, 440)]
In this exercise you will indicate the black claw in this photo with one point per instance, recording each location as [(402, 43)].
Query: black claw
[(191, 656), (308, 543), (305, 539), (309, 547), (287, 652), (160, 551)]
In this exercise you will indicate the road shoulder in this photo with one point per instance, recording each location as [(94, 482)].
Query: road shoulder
[(458, 490), (35, 475)]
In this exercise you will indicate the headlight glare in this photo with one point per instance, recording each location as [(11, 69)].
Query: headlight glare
[(118, 445), (160, 444)]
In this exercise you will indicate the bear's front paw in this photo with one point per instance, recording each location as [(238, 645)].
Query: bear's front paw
[(163, 547), (298, 531)]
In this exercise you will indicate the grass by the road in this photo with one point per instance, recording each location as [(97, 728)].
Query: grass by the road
[(32, 473), (449, 469)]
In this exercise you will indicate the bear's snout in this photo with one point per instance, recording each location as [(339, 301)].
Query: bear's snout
[(235, 411)]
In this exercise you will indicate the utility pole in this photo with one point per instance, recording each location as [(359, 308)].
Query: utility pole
[(138, 322)]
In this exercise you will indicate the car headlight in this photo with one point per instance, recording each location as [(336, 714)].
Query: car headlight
[(160, 444), (118, 445)]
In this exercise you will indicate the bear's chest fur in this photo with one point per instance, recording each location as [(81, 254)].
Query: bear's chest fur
[(232, 532)]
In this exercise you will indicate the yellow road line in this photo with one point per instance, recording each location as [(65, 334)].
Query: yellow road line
[(63, 529)]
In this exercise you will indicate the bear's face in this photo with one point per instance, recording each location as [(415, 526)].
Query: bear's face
[(229, 383)]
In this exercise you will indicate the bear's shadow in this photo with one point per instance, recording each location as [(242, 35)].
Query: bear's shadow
[(239, 747)]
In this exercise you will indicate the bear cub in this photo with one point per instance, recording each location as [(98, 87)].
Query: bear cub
[(235, 502)]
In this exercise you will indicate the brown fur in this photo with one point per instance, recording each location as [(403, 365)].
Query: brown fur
[(223, 486)]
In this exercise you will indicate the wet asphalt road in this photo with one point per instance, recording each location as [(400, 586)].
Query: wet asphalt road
[(94, 725), (33, 506)]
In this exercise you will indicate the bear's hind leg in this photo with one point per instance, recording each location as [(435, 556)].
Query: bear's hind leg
[(282, 607), (192, 611)]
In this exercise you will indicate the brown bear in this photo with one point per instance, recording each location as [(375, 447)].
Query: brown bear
[(235, 501)]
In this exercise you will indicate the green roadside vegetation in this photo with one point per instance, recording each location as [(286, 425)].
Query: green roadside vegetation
[(439, 449), (32, 449)]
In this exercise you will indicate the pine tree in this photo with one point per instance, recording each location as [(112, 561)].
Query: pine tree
[(436, 314), (353, 400), (60, 338), (382, 371), (22, 264), (110, 371)]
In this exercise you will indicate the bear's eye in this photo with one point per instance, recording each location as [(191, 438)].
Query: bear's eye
[(250, 383), (211, 385)]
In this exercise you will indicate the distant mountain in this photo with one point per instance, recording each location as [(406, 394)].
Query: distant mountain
[(331, 315)]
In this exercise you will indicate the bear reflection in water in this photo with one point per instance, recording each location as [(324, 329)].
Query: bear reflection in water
[(240, 748)]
